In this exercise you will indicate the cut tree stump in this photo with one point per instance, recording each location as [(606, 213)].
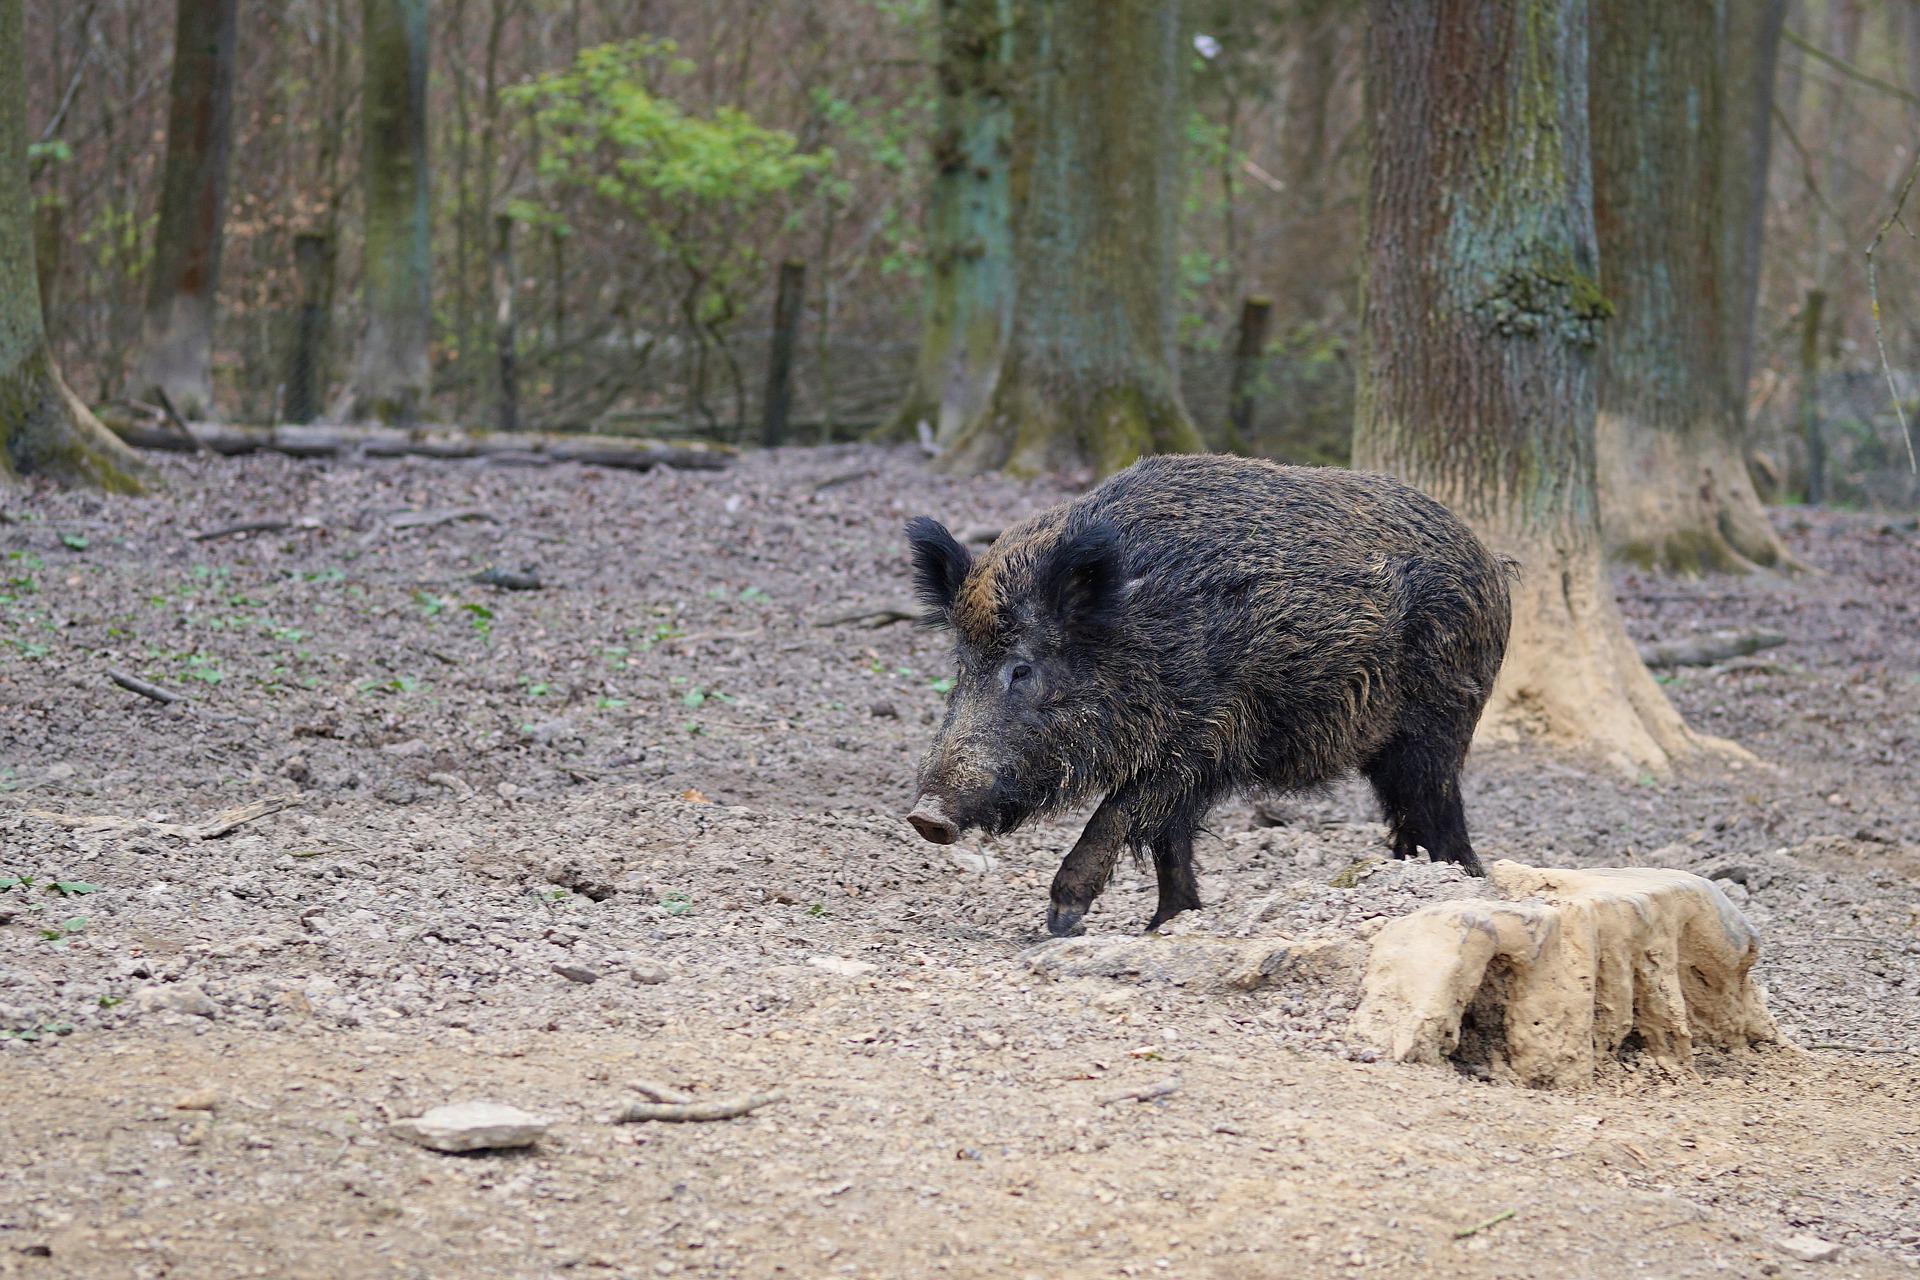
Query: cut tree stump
[(524, 448), (1563, 974)]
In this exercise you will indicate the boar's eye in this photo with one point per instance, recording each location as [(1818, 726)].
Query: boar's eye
[(1018, 672)]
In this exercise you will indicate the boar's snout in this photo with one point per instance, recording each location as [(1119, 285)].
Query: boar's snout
[(931, 819)]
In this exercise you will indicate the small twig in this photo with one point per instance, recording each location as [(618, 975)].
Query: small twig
[(1846, 68), (871, 619), (658, 1092), (445, 515), (710, 1109), (834, 482), (269, 525), (133, 684), (508, 580), (227, 819), (684, 642), (179, 423), (1873, 295), (1478, 1227), (1145, 1093), (1861, 1048)]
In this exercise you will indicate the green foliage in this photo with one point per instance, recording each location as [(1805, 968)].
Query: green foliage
[(602, 128)]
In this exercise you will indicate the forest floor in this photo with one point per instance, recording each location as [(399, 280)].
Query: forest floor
[(659, 772)]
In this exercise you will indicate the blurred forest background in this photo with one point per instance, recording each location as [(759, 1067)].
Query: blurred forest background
[(614, 193)]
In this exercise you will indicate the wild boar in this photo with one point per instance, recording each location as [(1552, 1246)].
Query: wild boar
[(1199, 626)]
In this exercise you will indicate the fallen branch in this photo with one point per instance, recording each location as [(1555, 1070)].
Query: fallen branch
[(133, 684), (218, 825), (1145, 1093), (657, 1092), (1705, 650), (711, 1109), (848, 477), (323, 441), (871, 619)]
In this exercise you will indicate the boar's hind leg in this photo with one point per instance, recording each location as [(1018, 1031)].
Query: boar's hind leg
[(1173, 866), (1085, 870), (1417, 778)]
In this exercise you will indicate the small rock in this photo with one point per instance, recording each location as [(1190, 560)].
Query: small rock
[(1809, 1248), (471, 1126), (198, 1100), (841, 965), (885, 711), (576, 973), (181, 997), (647, 974), (990, 1038)]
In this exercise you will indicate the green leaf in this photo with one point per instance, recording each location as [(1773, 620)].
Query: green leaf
[(74, 541), (74, 888)]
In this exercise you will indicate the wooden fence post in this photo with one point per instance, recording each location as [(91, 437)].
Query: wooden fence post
[(312, 259), (503, 288), (1255, 313), (786, 326)]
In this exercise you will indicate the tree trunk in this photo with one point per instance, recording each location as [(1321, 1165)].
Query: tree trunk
[(1249, 344), (306, 358), (391, 374), (1752, 52), (44, 429), (1089, 377), (1674, 488), (1308, 269), (788, 299), (505, 344), (176, 333), (969, 223), (1481, 316)]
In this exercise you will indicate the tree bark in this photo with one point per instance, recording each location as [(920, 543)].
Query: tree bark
[(788, 299), (1088, 378), (1479, 325), (176, 333), (391, 373), (969, 223), (505, 343), (44, 429), (1249, 343), (1674, 488), (306, 358), (1752, 45)]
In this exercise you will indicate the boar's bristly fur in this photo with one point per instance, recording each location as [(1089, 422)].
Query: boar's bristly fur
[(1201, 625)]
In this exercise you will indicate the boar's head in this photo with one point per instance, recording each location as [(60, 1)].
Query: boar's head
[(1036, 622)]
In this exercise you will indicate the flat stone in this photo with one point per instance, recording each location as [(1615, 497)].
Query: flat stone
[(648, 974), (179, 997), (1809, 1248), (471, 1126), (576, 973)]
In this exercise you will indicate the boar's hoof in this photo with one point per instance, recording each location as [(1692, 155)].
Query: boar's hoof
[(929, 818), (1064, 920), (1163, 915)]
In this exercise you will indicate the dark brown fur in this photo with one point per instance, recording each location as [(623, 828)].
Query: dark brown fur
[(1200, 625)]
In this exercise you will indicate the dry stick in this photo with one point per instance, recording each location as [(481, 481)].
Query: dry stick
[(227, 819), (133, 684), (245, 526), (1145, 1093), (873, 619), (219, 825), (1478, 1227), (1873, 294), (1861, 1048), (711, 1109), (658, 1092), (445, 515)]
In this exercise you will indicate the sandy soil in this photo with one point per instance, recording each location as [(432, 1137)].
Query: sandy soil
[(657, 770)]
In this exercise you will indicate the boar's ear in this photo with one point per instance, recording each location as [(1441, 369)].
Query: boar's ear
[(940, 565), (1082, 578)]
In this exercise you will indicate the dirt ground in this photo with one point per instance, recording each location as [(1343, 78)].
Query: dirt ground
[(661, 773)]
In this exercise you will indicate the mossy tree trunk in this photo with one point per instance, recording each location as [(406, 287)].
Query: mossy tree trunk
[(1480, 322), (176, 337), (1088, 378), (44, 429), (391, 374), (1674, 488), (969, 223)]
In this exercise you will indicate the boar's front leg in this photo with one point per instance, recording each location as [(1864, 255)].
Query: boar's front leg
[(1088, 866)]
